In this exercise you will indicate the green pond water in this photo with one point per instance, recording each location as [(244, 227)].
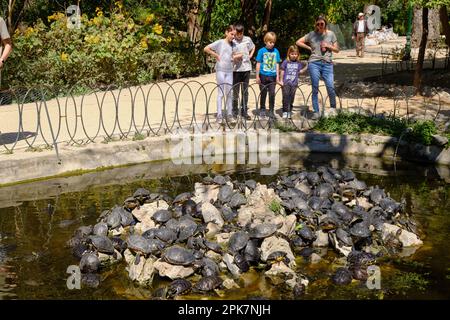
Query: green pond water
[(34, 259)]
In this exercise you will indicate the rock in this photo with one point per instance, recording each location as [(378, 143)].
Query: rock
[(106, 259), (315, 258), (272, 244), (213, 229), (244, 216), (237, 200), (212, 214), (345, 250), (147, 210), (303, 187), (143, 272), (118, 231), (216, 257), (205, 193), (141, 227), (262, 195), (222, 238), (283, 273), (230, 284), (322, 239), (234, 269), (439, 141), (361, 201), (289, 224), (171, 271), (408, 239)]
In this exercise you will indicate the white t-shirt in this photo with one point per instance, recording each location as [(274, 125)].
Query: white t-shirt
[(3, 33), (244, 46), (361, 26), (223, 48)]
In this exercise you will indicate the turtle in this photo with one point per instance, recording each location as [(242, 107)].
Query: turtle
[(251, 251), (139, 245), (187, 228), (237, 200), (156, 245), (328, 221), (162, 216), (344, 237), (277, 256), (102, 244), (300, 203), (149, 234), (214, 246), (389, 205), (359, 272), (357, 185), (220, 180), (141, 195), (160, 293), (360, 230), (208, 180), (119, 244), (263, 230), (79, 249), (190, 208), (315, 203), (91, 280), (126, 218), (238, 241), (177, 211), (83, 231), (113, 220), (297, 242), (208, 283), (347, 175), (361, 258), (130, 203), (89, 263), (178, 256), (209, 267), (199, 254), (182, 197), (306, 234), (100, 229), (173, 224), (324, 190), (251, 184), (166, 235), (241, 262), (298, 290), (227, 213), (329, 178), (225, 194), (336, 174), (178, 287), (313, 178), (342, 276)]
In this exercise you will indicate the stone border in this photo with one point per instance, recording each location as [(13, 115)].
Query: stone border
[(26, 166)]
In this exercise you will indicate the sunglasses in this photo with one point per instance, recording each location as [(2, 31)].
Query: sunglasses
[(321, 24)]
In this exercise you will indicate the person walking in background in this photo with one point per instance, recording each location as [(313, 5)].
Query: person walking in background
[(322, 44), (6, 47), (243, 50), (267, 73), (290, 70), (360, 30), (223, 52)]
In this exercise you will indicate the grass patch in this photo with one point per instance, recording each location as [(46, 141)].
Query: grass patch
[(284, 127), (353, 123), (275, 206)]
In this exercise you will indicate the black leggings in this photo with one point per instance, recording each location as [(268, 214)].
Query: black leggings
[(267, 84), (240, 83), (288, 97)]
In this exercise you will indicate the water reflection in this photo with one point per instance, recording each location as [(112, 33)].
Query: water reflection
[(37, 219)]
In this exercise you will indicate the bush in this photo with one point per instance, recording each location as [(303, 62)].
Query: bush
[(105, 50)]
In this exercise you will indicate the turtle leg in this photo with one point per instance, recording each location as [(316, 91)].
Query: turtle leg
[(114, 254), (137, 259)]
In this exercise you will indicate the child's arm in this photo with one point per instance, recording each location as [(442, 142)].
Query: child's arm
[(281, 77), (305, 67), (278, 73), (252, 52), (258, 66), (209, 51)]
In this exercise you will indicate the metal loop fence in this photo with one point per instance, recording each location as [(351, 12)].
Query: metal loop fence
[(45, 117)]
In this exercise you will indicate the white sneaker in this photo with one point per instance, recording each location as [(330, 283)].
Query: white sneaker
[(219, 120), (285, 115)]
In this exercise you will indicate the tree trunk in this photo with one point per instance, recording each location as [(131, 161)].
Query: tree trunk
[(207, 22), (433, 27), (248, 16), (443, 15), (423, 46), (193, 26), (266, 18)]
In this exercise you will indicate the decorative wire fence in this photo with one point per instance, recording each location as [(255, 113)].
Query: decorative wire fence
[(44, 117)]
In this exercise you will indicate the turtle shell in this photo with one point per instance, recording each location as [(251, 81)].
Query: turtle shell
[(263, 230), (238, 241), (178, 256), (208, 283), (102, 244), (139, 244)]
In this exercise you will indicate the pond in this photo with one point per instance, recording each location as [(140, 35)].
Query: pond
[(36, 220)]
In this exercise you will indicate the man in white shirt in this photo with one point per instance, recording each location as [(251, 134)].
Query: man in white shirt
[(6, 44), (360, 30)]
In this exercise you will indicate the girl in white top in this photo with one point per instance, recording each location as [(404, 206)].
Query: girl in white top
[(222, 50)]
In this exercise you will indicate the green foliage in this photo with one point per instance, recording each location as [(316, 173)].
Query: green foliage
[(275, 206), (402, 282), (353, 123), (225, 12), (113, 49)]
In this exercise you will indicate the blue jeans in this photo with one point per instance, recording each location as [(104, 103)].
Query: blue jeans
[(322, 69)]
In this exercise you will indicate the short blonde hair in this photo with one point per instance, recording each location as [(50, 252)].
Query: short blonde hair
[(270, 36)]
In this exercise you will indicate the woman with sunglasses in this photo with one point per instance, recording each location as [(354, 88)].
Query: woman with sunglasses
[(322, 44)]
